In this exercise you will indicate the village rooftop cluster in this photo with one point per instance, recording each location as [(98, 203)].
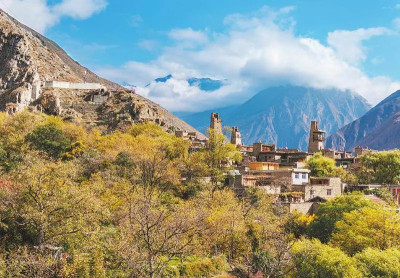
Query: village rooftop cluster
[(282, 172)]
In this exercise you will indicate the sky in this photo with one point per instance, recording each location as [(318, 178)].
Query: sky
[(249, 44)]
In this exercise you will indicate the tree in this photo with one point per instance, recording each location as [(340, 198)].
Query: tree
[(155, 233), (50, 139), (216, 156), (377, 263), (381, 167), (298, 224), (333, 211), (321, 166), (13, 130), (45, 209), (311, 259), (368, 227)]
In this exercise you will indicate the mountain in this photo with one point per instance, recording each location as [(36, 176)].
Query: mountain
[(206, 84), (29, 62), (282, 115), (378, 129)]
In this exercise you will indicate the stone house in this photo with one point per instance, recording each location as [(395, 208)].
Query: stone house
[(321, 188)]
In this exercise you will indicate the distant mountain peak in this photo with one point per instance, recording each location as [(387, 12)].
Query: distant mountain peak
[(378, 129), (282, 115), (163, 79), (204, 83)]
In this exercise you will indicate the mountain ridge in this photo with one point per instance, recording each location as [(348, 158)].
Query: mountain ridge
[(377, 129), (282, 115)]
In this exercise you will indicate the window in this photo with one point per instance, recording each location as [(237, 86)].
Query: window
[(311, 193), (296, 176), (329, 192), (304, 176)]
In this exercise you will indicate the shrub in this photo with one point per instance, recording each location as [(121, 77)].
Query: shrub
[(203, 267), (50, 139)]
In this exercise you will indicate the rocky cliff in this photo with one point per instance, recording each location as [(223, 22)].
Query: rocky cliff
[(378, 129), (28, 59)]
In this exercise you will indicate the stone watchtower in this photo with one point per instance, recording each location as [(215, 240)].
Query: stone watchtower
[(316, 141), (216, 123), (236, 137)]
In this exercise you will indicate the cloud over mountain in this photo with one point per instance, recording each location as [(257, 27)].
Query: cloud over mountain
[(255, 52)]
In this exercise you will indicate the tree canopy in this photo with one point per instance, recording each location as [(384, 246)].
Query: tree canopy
[(75, 202)]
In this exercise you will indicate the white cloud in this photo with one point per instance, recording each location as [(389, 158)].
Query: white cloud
[(396, 23), (39, 15), (348, 44), (79, 9), (255, 52), (148, 45), (135, 20), (188, 37)]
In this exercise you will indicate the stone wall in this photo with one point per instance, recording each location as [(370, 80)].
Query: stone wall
[(73, 86), (306, 208)]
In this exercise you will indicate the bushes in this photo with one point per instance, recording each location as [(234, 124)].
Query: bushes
[(376, 263), (368, 227), (203, 267), (333, 211), (50, 139), (312, 259)]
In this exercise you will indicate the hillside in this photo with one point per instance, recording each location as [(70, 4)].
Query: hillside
[(28, 59), (282, 115), (378, 129)]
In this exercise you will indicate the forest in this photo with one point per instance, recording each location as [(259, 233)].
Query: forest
[(79, 203)]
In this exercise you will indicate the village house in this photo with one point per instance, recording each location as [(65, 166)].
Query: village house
[(281, 172)]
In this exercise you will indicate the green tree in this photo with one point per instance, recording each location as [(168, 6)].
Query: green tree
[(368, 227), (381, 167), (50, 139), (216, 156), (311, 259), (378, 263), (321, 166), (333, 211)]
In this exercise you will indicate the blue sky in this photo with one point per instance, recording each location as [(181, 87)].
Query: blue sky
[(348, 45)]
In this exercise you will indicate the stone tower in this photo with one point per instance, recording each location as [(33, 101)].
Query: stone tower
[(216, 123), (316, 141), (236, 137)]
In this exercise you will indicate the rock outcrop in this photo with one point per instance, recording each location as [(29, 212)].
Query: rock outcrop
[(28, 60)]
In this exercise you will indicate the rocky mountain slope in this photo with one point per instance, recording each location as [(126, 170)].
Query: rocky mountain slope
[(378, 129), (282, 115), (28, 59)]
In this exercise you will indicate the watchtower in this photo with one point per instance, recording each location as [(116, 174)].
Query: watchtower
[(236, 137), (316, 140), (216, 123)]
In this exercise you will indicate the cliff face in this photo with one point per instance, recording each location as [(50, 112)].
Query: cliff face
[(282, 115), (27, 59), (378, 129)]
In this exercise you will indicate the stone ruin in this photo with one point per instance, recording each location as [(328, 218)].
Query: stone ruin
[(25, 95)]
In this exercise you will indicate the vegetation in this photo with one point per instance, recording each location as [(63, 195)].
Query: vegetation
[(322, 166), (76, 203), (380, 167)]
